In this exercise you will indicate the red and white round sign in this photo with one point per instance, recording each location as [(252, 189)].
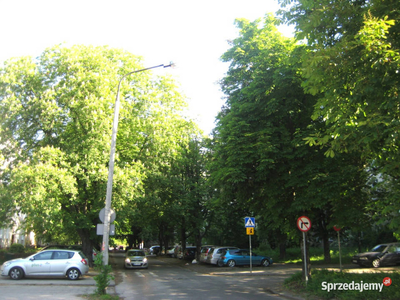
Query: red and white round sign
[(303, 223)]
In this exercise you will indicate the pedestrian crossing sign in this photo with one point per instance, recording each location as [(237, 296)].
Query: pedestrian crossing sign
[(249, 222)]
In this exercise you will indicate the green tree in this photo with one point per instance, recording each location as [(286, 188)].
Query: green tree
[(255, 149), (353, 65), (56, 117), (261, 161)]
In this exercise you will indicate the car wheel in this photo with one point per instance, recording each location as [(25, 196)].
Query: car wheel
[(73, 274), (220, 263), (231, 263), (16, 273), (376, 263), (265, 263)]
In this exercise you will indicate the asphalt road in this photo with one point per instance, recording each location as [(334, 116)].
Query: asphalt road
[(170, 278), (166, 278)]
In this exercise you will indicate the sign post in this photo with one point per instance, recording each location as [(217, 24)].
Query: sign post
[(100, 227), (304, 225), (250, 223), (337, 229)]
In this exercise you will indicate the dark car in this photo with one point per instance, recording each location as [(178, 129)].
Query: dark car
[(155, 250), (189, 253), (380, 255)]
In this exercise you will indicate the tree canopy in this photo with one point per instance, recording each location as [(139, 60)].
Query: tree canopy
[(352, 64), (56, 116)]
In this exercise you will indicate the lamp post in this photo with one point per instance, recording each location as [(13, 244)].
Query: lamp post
[(107, 213)]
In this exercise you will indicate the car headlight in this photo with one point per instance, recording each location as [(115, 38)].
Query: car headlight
[(145, 260), (6, 264), (128, 260)]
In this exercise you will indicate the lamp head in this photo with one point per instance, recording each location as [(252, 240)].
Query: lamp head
[(170, 65)]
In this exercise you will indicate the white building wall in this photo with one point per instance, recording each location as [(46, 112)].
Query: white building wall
[(16, 235)]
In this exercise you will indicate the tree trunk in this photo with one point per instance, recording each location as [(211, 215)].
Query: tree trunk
[(327, 252), (282, 250), (183, 237), (282, 238), (198, 245), (87, 245)]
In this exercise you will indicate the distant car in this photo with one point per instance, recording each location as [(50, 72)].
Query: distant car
[(204, 250), (171, 251), (241, 257), (54, 262), (155, 250), (380, 255), (135, 259), (215, 253), (189, 253)]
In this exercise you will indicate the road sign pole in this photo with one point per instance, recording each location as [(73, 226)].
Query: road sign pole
[(337, 229), (250, 224), (340, 253), (305, 257), (251, 265)]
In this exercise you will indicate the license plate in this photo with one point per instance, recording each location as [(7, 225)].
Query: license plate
[(136, 264), (354, 261)]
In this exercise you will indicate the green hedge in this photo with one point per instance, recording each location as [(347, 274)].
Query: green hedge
[(17, 248)]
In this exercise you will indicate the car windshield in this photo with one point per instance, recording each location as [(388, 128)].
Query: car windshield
[(136, 253), (379, 248)]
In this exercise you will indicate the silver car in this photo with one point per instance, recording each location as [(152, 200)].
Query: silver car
[(135, 259), (204, 251), (54, 262), (215, 253)]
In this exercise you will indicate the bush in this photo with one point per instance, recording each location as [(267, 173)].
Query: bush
[(104, 278), (17, 248)]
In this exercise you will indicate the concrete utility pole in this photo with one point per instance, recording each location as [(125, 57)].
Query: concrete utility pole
[(106, 232)]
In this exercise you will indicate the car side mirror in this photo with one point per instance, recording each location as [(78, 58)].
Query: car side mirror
[(32, 259)]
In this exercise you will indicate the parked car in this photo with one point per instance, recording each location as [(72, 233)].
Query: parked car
[(215, 253), (72, 247), (54, 262), (241, 257), (380, 255), (189, 254), (171, 251), (135, 259), (204, 250), (155, 250)]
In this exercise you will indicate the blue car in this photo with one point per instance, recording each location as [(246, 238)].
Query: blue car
[(240, 257)]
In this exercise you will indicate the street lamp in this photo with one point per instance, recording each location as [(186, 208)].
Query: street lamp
[(107, 210)]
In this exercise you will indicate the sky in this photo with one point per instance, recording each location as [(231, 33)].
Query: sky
[(192, 34)]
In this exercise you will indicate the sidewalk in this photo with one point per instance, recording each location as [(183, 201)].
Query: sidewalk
[(51, 288)]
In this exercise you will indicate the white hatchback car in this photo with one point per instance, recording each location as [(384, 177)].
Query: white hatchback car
[(54, 262), (135, 259)]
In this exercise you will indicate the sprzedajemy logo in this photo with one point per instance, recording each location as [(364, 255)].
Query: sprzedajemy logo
[(356, 286)]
